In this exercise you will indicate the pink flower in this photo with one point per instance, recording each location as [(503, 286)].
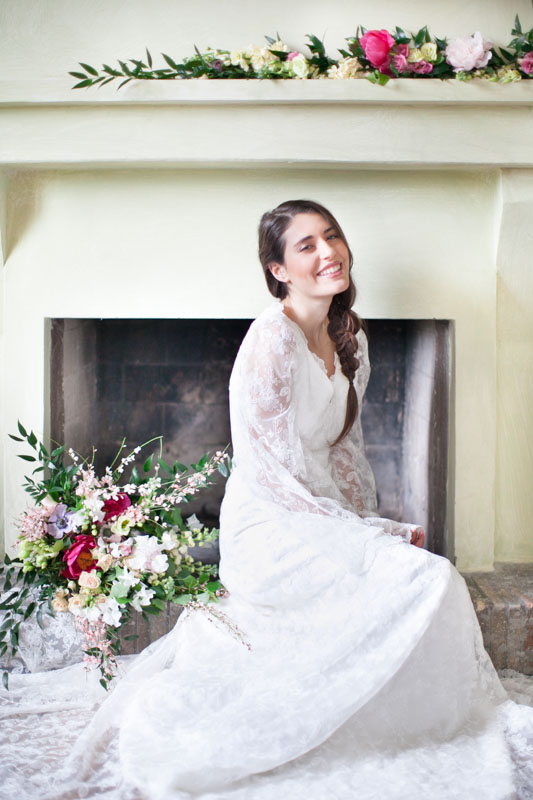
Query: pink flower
[(78, 557), (377, 46), (402, 50), (113, 508), (400, 62), (526, 63), (468, 53), (421, 67), (292, 54)]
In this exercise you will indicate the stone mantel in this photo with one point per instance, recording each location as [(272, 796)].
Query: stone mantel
[(405, 124)]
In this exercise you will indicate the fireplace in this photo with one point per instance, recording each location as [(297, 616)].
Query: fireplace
[(115, 378)]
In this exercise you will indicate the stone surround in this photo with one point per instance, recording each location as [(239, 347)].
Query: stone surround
[(503, 601)]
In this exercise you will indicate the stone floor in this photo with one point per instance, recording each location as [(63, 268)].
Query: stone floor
[(503, 600)]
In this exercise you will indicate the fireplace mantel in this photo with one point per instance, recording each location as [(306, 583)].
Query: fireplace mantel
[(405, 124)]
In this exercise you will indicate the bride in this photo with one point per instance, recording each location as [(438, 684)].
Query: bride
[(361, 672)]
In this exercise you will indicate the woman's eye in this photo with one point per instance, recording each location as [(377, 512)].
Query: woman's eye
[(333, 236)]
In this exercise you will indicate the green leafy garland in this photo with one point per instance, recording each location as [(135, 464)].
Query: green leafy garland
[(375, 55)]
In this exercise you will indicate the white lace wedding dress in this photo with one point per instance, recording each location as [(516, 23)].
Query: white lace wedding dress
[(366, 675)]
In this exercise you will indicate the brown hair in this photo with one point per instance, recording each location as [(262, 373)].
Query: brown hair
[(343, 322)]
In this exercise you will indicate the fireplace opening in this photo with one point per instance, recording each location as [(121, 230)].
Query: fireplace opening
[(137, 378)]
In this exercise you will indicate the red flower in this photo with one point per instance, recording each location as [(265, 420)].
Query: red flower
[(377, 46), (113, 508), (78, 557)]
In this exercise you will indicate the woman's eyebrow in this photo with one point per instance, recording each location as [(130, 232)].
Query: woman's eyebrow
[(305, 238)]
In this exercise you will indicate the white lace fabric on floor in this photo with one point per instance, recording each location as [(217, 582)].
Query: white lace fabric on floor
[(366, 675)]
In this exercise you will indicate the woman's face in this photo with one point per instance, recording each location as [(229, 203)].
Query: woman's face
[(316, 260)]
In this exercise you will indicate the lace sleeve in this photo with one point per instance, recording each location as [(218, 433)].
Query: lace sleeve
[(264, 427)]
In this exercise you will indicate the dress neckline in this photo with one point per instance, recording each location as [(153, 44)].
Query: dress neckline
[(319, 361)]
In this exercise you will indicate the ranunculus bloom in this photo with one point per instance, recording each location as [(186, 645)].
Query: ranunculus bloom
[(526, 63), (113, 508), (468, 53), (377, 46), (78, 557)]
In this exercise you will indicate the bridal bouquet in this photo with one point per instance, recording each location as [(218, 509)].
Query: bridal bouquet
[(99, 548)]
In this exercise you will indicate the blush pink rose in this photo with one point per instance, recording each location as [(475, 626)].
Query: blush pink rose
[(78, 557), (292, 55), (526, 63), (113, 508), (421, 67), (377, 46), (400, 62)]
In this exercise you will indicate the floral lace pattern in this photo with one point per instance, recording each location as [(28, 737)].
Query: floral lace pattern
[(365, 674)]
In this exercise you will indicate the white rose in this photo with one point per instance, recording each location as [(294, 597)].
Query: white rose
[(299, 66), (89, 580), (104, 562), (429, 51), (76, 604)]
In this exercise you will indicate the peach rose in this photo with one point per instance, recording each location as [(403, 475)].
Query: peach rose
[(59, 604), (89, 580)]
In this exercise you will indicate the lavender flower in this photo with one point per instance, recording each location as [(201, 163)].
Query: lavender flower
[(60, 521)]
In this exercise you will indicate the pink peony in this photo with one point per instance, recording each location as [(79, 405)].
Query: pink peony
[(377, 46), (113, 508), (78, 557), (526, 63), (421, 67), (468, 53)]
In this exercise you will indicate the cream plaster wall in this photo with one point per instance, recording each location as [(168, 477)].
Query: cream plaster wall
[(514, 470), (182, 244), (48, 38)]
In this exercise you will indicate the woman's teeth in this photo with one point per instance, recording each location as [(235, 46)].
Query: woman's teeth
[(330, 271)]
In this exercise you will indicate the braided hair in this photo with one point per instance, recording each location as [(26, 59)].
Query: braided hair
[(344, 323)]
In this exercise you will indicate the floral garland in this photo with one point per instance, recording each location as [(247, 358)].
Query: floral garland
[(101, 548), (376, 55)]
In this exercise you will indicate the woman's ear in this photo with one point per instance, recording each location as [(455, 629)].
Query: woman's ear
[(278, 271)]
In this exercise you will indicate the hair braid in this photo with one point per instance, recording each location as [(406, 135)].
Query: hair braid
[(343, 327)]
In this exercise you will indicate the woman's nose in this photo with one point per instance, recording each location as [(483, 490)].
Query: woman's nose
[(325, 247)]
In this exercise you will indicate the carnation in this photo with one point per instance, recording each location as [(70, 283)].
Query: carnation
[(468, 52)]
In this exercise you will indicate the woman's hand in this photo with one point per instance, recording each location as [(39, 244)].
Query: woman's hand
[(417, 537)]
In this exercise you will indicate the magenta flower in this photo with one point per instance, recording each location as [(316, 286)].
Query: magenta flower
[(377, 46), (400, 62)]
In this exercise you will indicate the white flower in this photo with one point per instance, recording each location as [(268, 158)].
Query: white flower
[(80, 518), (126, 580), (346, 68), (238, 59), (93, 613), (194, 523), (468, 52), (142, 598), (111, 612), (169, 541), (94, 507), (299, 66), (147, 555), (89, 580), (76, 604)]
